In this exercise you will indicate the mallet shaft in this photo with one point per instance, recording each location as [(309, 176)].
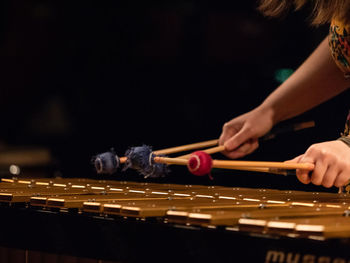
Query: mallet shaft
[(187, 147), (234, 164), (182, 148)]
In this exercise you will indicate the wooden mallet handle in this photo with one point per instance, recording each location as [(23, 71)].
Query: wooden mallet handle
[(234, 164)]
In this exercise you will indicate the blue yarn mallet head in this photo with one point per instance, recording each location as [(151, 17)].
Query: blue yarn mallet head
[(106, 163), (140, 159)]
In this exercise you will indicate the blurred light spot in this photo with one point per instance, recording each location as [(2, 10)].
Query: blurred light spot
[(42, 11), (282, 74), (14, 169)]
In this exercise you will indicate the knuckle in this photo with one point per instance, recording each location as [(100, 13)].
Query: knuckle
[(310, 150), (343, 182), (338, 183), (225, 126), (326, 158), (316, 180), (325, 154), (342, 166), (313, 148), (302, 177), (249, 129), (327, 184)]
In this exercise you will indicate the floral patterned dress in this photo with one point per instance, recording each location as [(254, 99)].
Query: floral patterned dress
[(339, 43)]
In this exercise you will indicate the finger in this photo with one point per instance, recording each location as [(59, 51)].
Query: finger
[(330, 176), (238, 139), (223, 138), (254, 146), (303, 175), (243, 150), (295, 160), (228, 131), (319, 172), (342, 179)]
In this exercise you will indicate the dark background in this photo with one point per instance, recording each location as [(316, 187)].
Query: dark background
[(79, 77)]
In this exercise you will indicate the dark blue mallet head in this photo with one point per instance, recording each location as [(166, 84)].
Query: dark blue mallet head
[(140, 159), (106, 163)]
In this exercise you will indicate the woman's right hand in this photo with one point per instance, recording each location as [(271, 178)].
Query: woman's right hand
[(240, 135)]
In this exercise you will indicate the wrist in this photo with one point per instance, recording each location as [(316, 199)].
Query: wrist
[(269, 112), (345, 139)]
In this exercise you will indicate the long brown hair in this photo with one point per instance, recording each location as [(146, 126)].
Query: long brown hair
[(323, 10)]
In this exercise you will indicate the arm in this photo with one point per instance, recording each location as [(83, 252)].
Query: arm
[(315, 81)]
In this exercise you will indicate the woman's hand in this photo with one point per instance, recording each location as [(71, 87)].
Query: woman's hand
[(332, 164), (315, 81), (240, 135)]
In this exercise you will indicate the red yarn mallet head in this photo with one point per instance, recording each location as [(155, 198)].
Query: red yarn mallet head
[(200, 163)]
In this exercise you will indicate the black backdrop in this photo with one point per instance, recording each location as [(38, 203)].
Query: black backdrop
[(80, 77)]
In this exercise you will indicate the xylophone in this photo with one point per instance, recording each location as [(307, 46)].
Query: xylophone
[(85, 220)]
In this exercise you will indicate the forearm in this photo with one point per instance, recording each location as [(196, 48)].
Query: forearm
[(315, 81)]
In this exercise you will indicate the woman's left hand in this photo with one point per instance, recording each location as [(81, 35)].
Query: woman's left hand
[(332, 164)]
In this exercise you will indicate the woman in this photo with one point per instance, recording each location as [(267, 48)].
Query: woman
[(323, 75)]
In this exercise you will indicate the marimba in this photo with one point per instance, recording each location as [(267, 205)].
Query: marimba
[(85, 220)]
